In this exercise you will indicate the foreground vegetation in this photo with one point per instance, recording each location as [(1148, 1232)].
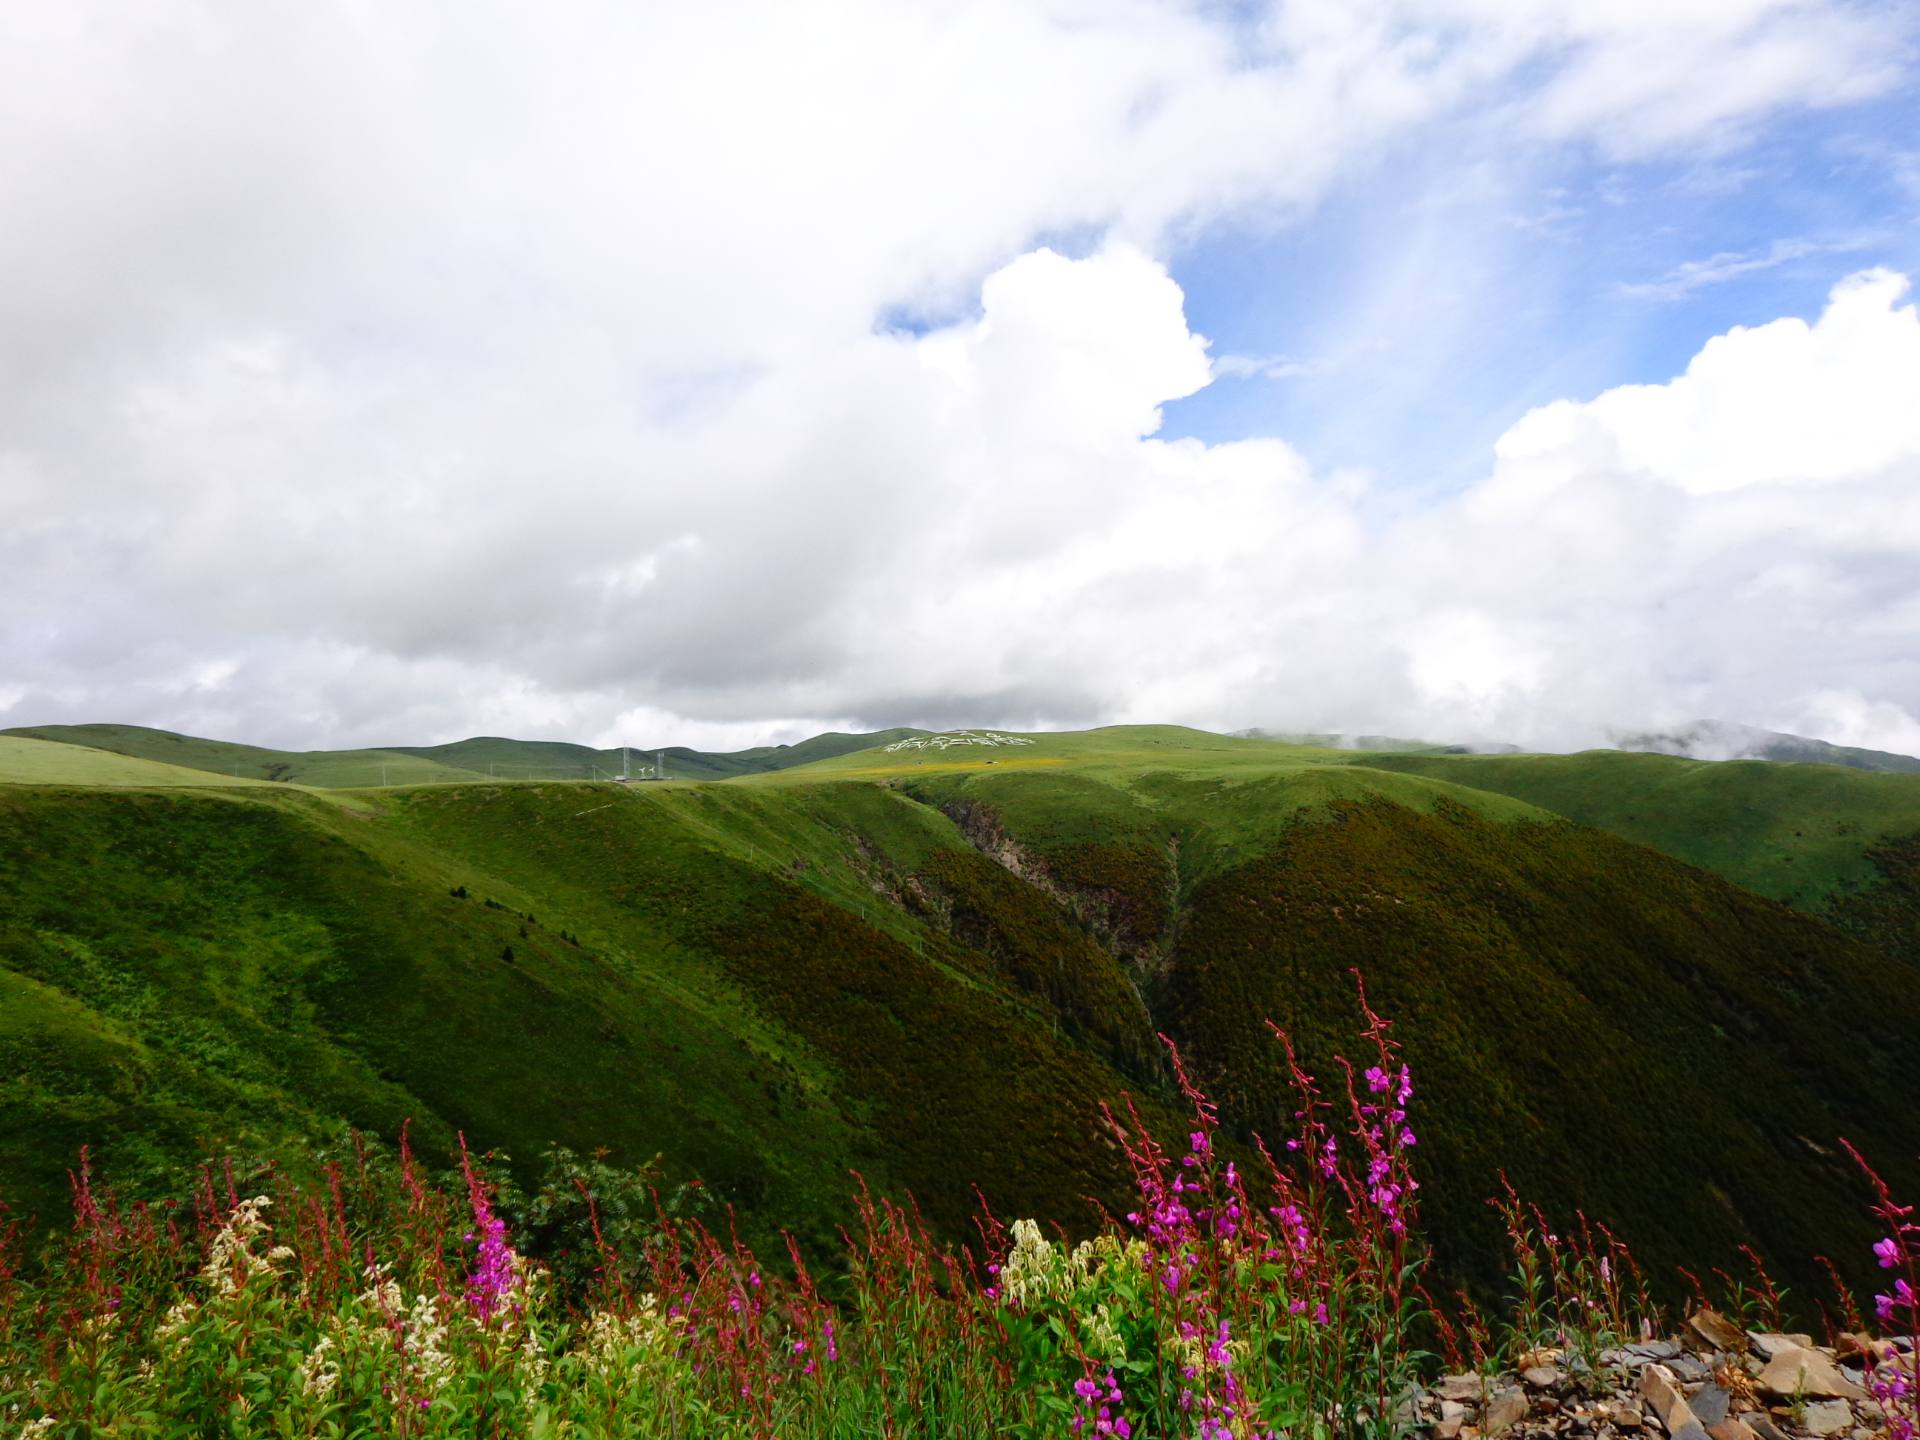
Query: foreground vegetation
[(932, 967), (1228, 1303)]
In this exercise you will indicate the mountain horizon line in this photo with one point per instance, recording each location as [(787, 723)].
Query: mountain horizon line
[(1705, 739)]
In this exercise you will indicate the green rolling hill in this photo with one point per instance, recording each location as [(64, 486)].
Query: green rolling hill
[(1722, 740), (1837, 842), (325, 768), (25, 761), (932, 965), (556, 760), (489, 757)]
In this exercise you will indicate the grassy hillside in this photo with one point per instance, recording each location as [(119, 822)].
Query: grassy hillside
[(503, 759), (1803, 834), (667, 968), (1582, 1012), (1569, 994), (48, 762), (933, 965), (251, 762)]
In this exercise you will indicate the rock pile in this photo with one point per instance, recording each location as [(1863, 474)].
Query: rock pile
[(1715, 1382)]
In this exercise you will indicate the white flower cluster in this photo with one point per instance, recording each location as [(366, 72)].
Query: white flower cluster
[(613, 1340), (383, 1291), (1100, 1336), (171, 1332), (320, 1370), (231, 1261), (1037, 1271), (531, 1282), (424, 1334), (420, 1329)]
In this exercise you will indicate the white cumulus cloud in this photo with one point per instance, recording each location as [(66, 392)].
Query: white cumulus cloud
[(705, 369)]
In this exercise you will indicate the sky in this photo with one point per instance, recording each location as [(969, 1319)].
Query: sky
[(720, 374)]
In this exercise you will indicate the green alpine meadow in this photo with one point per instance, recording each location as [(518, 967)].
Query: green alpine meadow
[(871, 1033)]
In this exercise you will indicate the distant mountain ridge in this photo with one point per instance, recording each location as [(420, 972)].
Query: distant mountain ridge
[(1730, 740), (1376, 744), (481, 757), (1700, 740), (503, 758)]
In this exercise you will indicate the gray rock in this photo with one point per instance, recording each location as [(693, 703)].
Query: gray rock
[(1406, 1414), (1829, 1417), (1652, 1350), (1710, 1404), (1458, 1387), (1689, 1369), (1769, 1343), (1544, 1377)]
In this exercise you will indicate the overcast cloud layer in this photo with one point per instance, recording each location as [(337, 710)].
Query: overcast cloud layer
[(716, 374)]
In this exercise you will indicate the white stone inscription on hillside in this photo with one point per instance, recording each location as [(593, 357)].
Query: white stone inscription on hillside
[(957, 737)]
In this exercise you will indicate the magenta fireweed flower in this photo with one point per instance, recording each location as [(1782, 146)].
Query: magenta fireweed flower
[(1891, 1380), (1218, 1352), (1902, 1298), (490, 1287), (1095, 1413), (1293, 1228)]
